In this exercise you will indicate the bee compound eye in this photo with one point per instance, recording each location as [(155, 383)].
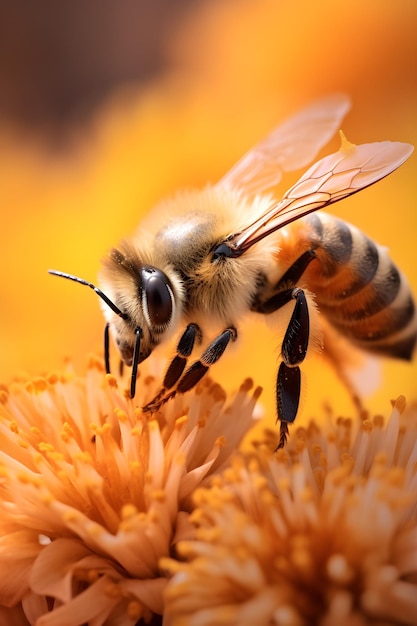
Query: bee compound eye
[(159, 298)]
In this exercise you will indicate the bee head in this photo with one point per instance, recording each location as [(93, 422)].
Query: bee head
[(140, 304), (147, 297)]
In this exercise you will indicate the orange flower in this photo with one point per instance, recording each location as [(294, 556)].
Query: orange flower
[(93, 493), (323, 533)]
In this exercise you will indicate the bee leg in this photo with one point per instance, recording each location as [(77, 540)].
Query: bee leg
[(184, 348), (293, 351), (210, 356), (176, 367), (297, 269), (197, 369), (295, 343)]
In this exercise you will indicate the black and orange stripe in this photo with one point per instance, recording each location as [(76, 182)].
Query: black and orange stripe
[(357, 287)]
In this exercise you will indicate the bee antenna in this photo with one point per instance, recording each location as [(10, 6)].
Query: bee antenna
[(98, 291)]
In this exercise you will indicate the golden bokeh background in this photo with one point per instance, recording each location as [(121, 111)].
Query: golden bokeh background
[(234, 70)]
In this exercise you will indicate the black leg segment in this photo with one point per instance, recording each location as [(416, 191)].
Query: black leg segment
[(210, 356), (192, 376), (295, 343), (296, 270), (293, 352), (288, 392), (294, 346), (184, 348), (195, 372)]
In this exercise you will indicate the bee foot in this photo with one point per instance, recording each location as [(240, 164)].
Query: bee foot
[(158, 402)]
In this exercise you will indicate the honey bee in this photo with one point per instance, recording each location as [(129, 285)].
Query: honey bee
[(214, 255)]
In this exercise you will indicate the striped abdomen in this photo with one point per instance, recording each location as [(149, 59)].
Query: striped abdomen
[(358, 288)]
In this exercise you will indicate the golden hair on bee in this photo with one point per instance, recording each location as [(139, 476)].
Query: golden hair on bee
[(204, 259)]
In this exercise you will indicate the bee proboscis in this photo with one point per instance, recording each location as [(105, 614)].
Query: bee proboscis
[(211, 256)]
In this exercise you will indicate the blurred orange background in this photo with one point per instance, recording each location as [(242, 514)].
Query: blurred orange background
[(230, 71)]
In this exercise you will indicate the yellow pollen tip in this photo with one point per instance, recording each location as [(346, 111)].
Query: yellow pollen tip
[(253, 464), (399, 404), (153, 517), (84, 457), (112, 591), (134, 610), (52, 378), (159, 495), (307, 495), (231, 475), (92, 575), (211, 535), (65, 437), (185, 548), (316, 449), (71, 516), (380, 458), (26, 479), (55, 456), (94, 362), (103, 430), (180, 421), (367, 425), (14, 427), (111, 381), (201, 496), (257, 393), (121, 415), (128, 511), (378, 421), (37, 385), (246, 385), (218, 394), (169, 565), (281, 455), (260, 482), (46, 447), (221, 442)]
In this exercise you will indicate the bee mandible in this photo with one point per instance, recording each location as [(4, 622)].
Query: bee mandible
[(213, 255)]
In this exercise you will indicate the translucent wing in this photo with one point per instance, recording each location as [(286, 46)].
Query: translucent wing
[(294, 144), (332, 178)]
